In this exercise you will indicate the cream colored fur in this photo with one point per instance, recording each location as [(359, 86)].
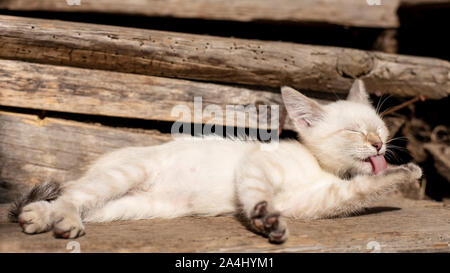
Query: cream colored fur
[(324, 176)]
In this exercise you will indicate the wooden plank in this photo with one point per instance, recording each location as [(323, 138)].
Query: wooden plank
[(392, 225), (409, 3), (207, 58), (341, 12), (33, 150), (97, 92)]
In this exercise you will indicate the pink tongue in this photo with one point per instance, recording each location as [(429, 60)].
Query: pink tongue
[(378, 163)]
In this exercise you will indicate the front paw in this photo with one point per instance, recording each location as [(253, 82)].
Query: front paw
[(409, 172), (268, 223), (416, 171)]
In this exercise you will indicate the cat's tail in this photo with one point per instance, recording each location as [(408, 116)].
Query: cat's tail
[(46, 191)]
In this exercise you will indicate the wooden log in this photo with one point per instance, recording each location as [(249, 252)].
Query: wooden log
[(409, 3), (96, 92), (341, 12), (259, 63), (33, 150)]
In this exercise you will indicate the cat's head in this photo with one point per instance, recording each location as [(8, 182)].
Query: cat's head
[(347, 137)]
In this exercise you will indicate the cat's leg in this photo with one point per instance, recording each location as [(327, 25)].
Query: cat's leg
[(95, 189), (133, 206), (255, 190), (344, 197)]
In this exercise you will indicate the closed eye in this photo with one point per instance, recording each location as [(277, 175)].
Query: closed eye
[(354, 131)]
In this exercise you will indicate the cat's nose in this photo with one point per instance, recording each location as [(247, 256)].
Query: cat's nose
[(375, 141), (377, 145)]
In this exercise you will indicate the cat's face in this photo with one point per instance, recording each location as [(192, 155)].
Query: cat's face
[(347, 137)]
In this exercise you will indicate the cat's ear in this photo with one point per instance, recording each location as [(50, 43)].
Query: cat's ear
[(358, 93), (302, 110)]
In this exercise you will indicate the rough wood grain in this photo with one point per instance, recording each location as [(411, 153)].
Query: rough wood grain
[(33, 150), (398, 225), (96, 92), (341, 12), (423, 2), (207, 58)]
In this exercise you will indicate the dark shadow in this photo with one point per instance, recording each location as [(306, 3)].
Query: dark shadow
[(437, 187), (373, 210), (10, 192), (424, 30)]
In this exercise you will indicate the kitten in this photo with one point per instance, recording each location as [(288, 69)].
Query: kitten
[(337, 170)]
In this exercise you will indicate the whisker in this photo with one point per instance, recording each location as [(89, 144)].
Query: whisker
[(382, 114), (388, 156), (378, 104), (397, 138), (393, 155), (382, 102), (397, 147)]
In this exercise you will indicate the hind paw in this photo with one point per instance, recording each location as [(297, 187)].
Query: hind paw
[(268, 223)]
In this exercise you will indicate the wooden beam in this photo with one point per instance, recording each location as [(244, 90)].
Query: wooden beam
[(96, 92), (33, 150), (250, 62), (340, 12), (424, 2)]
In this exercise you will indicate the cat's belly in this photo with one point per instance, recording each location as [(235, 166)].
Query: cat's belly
[(195, 178)]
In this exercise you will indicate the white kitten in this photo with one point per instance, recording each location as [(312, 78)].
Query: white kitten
[(337, 170)]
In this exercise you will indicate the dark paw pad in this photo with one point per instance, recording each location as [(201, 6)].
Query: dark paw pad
[(61, 233), (268, 223)]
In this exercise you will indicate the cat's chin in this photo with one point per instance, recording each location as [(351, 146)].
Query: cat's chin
[(362, 168), (367, 168)]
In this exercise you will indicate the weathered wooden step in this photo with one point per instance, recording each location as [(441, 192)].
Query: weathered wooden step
[(106, 93), (340, 12), (34, 150), (198, 57), (391, 225)]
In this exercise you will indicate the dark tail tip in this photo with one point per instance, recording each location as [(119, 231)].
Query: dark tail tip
[(46, 191)]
